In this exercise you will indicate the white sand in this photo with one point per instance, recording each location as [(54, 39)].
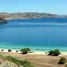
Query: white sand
[(35, 52), (12, 51), (63, 53), (39, 52)]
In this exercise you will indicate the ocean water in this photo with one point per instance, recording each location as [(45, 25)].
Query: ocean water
[(41, 34)]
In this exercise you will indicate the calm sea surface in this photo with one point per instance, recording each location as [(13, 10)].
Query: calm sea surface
[(38, 34)]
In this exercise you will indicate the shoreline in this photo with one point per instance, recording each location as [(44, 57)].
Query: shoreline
[(33, 52)]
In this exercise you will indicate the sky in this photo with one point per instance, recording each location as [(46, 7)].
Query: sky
[(45, 6)]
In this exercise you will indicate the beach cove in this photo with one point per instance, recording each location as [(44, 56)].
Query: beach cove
[(36, 34), (39, 36)]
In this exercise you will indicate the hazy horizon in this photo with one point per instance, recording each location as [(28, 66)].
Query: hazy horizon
[(41, 6)]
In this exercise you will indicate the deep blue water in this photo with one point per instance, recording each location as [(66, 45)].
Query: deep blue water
[(39, 34)]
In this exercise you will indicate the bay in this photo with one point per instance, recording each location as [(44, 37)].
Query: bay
[(37, 34)]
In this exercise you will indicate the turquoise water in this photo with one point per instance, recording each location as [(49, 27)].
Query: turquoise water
[(40, 36)]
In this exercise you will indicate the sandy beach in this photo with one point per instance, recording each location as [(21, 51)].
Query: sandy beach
[(39, 59), (32, 53)]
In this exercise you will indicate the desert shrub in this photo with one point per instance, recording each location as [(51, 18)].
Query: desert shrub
[(25, 50), (24, 61), (9, 50), (2, 50), (16, 51), (54, 52), (27, 64), (62, 60), (18, 62)]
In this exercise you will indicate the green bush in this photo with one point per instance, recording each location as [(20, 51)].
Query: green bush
[(9, 50), (54, 52), (27, 64), (62, 60), (25, 50), (2, 50), (25, 61), (16, 51)]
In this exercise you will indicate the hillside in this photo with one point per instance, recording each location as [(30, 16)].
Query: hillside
[(28, 15)]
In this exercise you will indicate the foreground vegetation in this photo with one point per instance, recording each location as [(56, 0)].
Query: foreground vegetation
[(19, 63), (18, 60), (62, 60)]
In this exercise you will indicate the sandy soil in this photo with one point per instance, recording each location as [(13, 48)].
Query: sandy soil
[(39, 60)]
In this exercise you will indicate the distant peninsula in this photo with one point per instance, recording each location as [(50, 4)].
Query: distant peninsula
[(28, 15)]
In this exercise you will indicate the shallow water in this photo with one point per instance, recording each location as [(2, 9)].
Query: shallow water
[(30, 33)]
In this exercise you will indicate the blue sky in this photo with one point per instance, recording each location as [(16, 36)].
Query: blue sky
[(47, 6)]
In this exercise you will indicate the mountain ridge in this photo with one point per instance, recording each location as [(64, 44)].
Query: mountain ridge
[(20, 15)]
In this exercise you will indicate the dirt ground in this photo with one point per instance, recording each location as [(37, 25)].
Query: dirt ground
[(39, 60)]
